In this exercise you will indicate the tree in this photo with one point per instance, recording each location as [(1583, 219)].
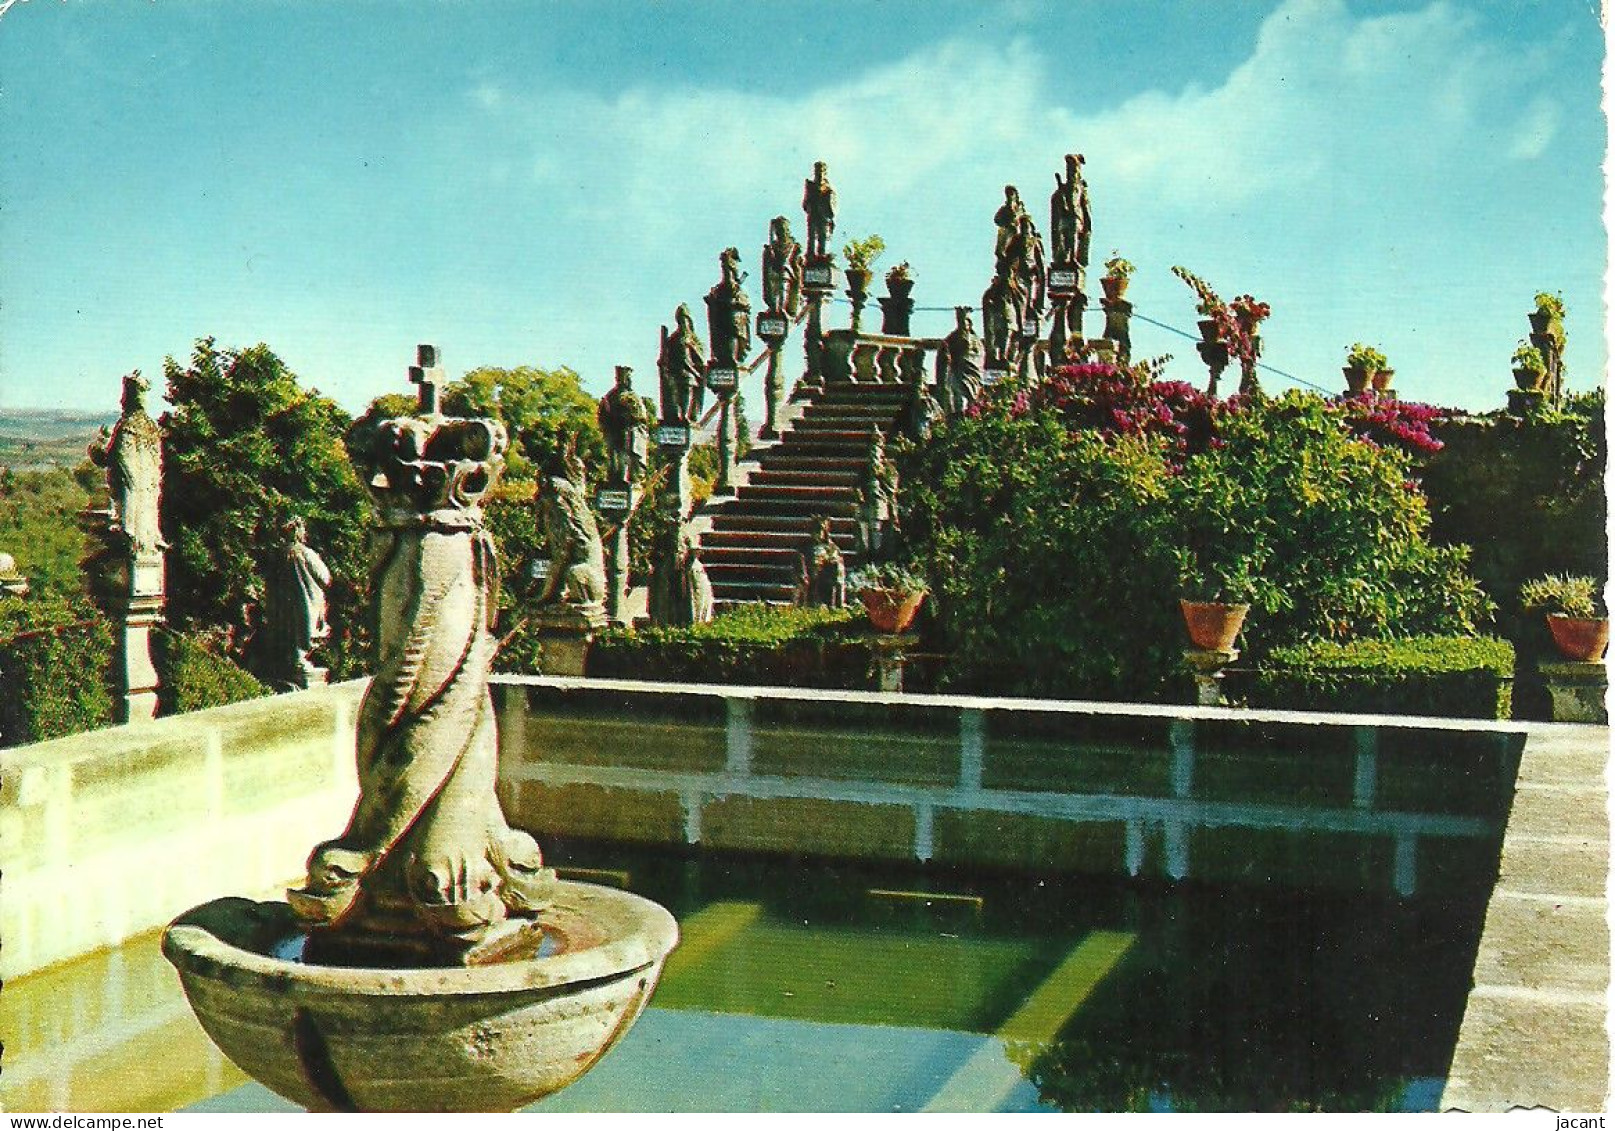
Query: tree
[(246, 450), (541, 408)]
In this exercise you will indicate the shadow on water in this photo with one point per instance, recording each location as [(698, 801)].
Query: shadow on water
[(1106, 995)]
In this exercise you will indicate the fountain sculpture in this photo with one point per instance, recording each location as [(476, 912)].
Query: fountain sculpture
[(430, 961)]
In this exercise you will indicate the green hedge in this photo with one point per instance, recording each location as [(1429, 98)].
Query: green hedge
[(1451, 676), (55, 660), (752, 644), (192, 677)]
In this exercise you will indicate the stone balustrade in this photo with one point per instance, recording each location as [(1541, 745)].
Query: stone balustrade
[(878, 358)]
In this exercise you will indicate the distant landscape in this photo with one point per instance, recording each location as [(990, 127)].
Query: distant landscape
[(40, 438)]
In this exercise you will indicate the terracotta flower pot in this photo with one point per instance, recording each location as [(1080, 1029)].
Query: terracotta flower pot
[(1213, 626), (1382, 379), (1540, 321), (1208, 329), (1357, 379), (891, 610), (1583, 641), (1529, 380), (1114, 286)]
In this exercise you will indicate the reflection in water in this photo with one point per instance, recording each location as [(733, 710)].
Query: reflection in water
[(808, 987)]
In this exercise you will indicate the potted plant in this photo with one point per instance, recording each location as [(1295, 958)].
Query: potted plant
[(861, 256), (891, 594), (1576, 614), (1216, 594), (1117, 273), (1530, 369), (1549, 315), (1362, 363), (900, 280)]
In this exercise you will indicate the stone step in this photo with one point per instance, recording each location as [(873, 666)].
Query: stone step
[(810, 495), (774, 522), (788, 557), (808, 514), (822, 445), (767, 476), (831, 431), (842, 392), (727, 572), (874, 412), (745, 592), (792, 541), (786, 459)]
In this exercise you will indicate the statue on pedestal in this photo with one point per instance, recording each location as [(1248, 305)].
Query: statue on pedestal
[(1001, 306), (782, 270), (132, 453), (624, 422), (680, 365), (959, 365), (1026, 264), (1070, 219), (681, 593), (295, 620), (827, 570), (577, 577), (729, 314), (819, 203)]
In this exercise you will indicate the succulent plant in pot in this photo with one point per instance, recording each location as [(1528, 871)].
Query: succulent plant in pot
[(891, 594), (1577, 616)]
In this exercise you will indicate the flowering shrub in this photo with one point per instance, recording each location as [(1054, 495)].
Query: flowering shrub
[(1392, 423), (1237, 321), (1114, 401)]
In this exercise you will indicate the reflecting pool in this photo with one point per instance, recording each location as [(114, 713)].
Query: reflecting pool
[(803, 986)]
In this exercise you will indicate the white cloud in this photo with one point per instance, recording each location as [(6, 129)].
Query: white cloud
[(1536, 130)]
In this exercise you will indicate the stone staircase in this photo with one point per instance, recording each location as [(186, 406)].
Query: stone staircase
[(754, 541)]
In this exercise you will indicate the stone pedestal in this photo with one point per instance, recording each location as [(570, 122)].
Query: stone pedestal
[(1577, 691), (1209, 668), (890, 652), (1523, 402), (564, 636), (615, 500)]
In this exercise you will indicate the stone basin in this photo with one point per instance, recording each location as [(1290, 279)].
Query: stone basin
[(481, 1038)]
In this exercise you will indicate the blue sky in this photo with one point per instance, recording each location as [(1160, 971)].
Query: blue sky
[(542, 183)]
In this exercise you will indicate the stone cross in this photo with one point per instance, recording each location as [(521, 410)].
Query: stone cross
[(427, 372)]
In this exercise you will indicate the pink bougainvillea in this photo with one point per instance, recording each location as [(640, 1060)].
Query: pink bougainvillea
[(1393, 423)]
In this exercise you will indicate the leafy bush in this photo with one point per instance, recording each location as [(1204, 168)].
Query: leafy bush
[(39, 526), (246, 449), (752, 644), (1446, 676), (193, 676), (1394, 423), (1055, 542), (55, 665), (1116, 401)]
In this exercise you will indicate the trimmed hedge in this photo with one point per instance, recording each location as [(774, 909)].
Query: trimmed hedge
[(54, 667), (752, 644), (1453, 676), (192, 677)]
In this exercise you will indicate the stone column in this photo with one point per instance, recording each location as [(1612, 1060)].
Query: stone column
[(1209, 668), (616, 501), (772, 327), (127, 573), (1118, 317), (818, 282)]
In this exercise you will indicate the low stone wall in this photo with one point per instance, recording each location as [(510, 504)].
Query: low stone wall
[(1368, 803), (109, 834)]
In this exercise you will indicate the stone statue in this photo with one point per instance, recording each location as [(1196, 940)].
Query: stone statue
[(959, 365), (729, 314), (132, 453), (1000, 317), (782, 269), (624, 423), (819, 203), (1027, 268), (681, 593), (295, 617), (827, 570), (1069, 218), (1008, 219), (680, 365), (427, 869), (577, 577)]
